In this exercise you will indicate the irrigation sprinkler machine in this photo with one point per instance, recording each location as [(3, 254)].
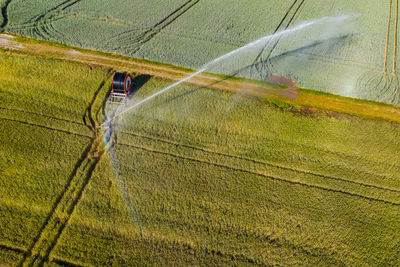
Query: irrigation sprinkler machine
[(121, 88)]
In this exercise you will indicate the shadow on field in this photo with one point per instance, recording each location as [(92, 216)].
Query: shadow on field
[(264, 67), (139, 81), (330, 43), (168, 101)]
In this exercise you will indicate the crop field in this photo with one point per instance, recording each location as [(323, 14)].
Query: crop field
[(356, 57), (45, 134), (194, 177)]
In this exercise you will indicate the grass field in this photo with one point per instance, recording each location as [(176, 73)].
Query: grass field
[(353, 59), (43, 135), (195, 177), (243, 183)]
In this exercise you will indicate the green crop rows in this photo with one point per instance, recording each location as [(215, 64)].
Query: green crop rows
[(44, 133), (202, 177), (194, 177), (352, 58)]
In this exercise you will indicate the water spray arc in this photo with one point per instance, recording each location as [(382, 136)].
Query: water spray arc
[(259, 42)]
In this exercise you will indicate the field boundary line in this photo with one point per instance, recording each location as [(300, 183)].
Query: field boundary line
[(45, 127), (41, 114), (258, 174), (279, 166)]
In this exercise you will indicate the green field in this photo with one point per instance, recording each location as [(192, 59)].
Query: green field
[(195, 177), (44, 138), (353, 58)]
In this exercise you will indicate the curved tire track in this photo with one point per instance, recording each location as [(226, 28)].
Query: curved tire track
[(41, 247), (54, 10), (146, 36), (41, 24)]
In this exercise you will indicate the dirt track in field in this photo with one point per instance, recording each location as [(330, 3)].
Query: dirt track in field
[(291, 95), (39, 252), (37, 49)]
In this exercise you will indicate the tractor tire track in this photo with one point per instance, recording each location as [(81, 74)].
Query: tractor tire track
[(41, 247), (73, 15), (287, 26), (384, 86), (56, 224), (259, 174), (49, 20), (46, 30), (41, 24), (88, 110), (146, 36), (276, 29), (259, 59), (12, 248), (248, 232), (311, 56), (60, 7), (42, 115), (45, 127), (65, 263), (83, 156), (278, 166), (387, 36), (340, 155), (4, 14), (124, 36)]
